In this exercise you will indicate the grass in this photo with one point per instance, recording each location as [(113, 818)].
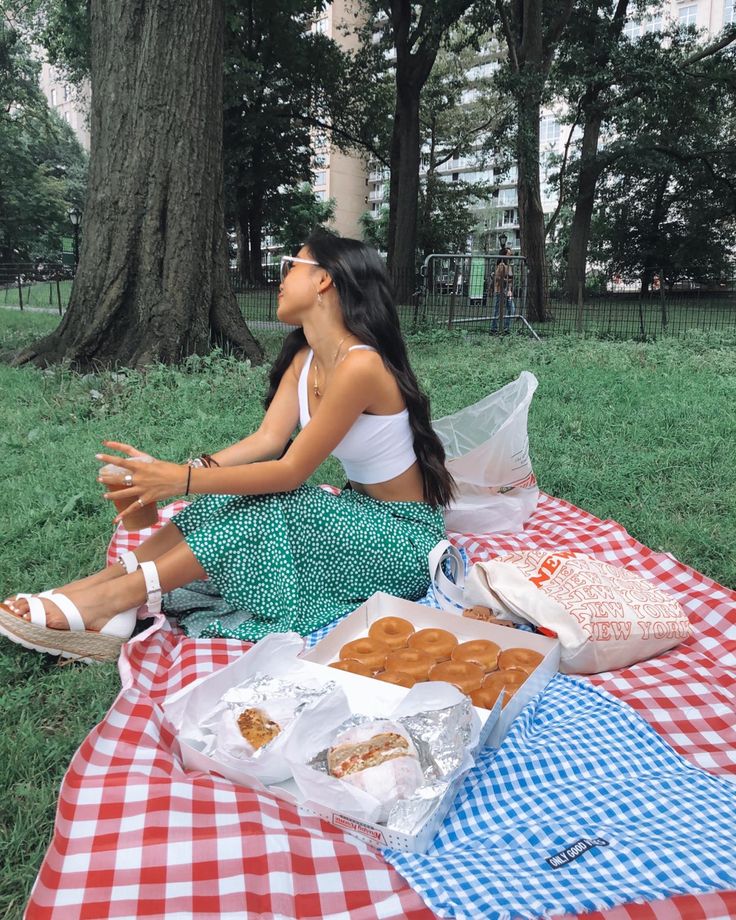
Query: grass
[(642, 433)]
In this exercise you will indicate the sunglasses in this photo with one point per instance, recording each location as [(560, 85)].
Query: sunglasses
[(288, 261)]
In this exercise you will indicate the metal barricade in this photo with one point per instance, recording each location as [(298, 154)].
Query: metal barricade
[(459, 289)]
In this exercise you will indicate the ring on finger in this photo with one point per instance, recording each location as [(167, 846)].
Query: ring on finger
[(128, 480), (140, 502)]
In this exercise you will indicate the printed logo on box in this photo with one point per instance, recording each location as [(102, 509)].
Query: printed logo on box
[(575, 850), (365, 830)]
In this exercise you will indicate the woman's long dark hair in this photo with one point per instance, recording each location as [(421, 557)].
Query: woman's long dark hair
[(362, 284)]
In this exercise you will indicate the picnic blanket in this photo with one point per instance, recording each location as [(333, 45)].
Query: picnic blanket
[(583, 805), (136, 836)]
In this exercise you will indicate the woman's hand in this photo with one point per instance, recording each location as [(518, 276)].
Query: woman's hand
[(151, 481)]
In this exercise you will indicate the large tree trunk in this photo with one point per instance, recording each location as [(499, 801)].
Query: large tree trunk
[(243, 235), (393, 189), (531, 214), (152, 283), (403, 259), (256, 239), (590, 170)]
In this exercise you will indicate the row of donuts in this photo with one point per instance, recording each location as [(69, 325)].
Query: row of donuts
[(396, 653)]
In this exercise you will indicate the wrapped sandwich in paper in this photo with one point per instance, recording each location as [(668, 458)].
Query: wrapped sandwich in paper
[(245, 727), (368, 766)]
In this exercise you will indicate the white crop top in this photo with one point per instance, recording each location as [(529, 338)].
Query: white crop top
[(377, 447)]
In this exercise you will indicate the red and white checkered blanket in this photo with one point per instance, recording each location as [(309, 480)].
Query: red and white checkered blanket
[(136, 836)]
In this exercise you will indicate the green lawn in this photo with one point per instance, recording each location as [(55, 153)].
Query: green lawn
[(642, 433)]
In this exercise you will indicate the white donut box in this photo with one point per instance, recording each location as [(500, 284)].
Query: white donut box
[(370, 697)]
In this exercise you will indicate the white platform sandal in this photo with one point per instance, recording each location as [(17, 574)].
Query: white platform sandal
[(76, 642)]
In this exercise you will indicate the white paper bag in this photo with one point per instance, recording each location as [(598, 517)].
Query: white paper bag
[(487, 446)]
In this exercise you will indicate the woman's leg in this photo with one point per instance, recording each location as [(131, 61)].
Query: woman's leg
[(99, 602), (165, 539)]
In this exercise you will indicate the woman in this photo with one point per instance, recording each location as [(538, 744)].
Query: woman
[(292, 556)]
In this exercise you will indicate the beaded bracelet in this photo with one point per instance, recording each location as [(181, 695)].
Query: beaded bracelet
[(206, 460)]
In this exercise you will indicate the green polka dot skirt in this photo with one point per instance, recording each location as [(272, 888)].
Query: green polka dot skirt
[(299, 560)]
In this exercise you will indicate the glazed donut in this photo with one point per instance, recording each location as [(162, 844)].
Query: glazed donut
[(410, 661), (370, 652), (466, 677), (353, 665), (508, 680), (394, 631), (522, 658), (400, 678), (478, 651), (438, 643)]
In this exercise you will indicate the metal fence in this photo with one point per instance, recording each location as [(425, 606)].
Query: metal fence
[(36, 285), (461, 291), (622, 310)]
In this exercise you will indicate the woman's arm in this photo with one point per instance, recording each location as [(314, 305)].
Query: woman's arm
[(352, 389), (278, 425)]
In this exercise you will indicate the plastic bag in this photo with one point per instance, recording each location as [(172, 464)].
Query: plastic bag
[(487, 446)]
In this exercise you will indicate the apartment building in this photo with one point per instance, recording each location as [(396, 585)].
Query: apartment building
[(336, 174), (69, 102)]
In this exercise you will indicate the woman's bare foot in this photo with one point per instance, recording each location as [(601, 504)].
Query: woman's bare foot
[(19, 605)]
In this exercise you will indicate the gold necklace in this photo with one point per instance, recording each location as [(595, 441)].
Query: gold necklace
[(315, 387)]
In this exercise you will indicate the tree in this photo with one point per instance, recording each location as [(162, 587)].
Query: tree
[(456, 113), (62, 29), (532, 30), (296, 213), (668, 201), (42, 167), (447, 216), (374, 230), (614, 85), (415, 32), (278, 79), (152, 283), (594, 41)]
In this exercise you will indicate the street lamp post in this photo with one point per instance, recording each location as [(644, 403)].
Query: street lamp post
[(75, 215)]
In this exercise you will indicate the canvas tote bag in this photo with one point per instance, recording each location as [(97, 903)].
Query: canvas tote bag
[(604, 616)]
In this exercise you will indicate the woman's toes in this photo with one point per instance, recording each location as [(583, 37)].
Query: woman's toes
[(18, 605)]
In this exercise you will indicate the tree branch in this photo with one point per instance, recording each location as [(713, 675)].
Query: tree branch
[(502, 13), (349, 137), (554, 33), (726, 39), (555, 214)]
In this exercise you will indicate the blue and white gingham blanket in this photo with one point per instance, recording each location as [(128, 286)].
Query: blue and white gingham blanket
[(583, 807)]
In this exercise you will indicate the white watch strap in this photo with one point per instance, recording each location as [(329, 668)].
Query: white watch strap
[(153, 587)]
